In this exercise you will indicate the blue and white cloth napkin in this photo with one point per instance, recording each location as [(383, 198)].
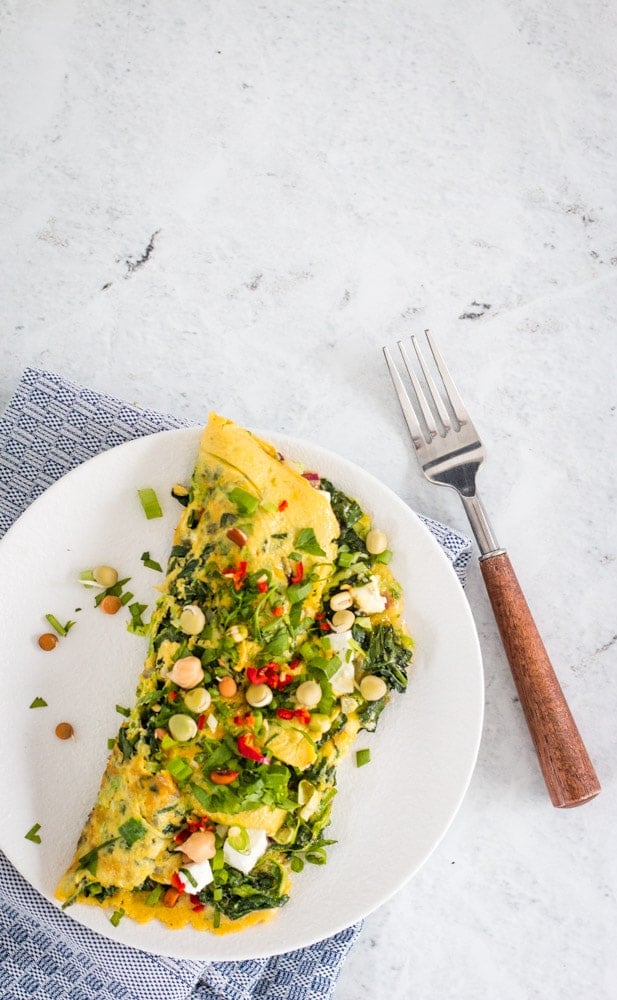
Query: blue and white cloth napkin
[(50, 426)]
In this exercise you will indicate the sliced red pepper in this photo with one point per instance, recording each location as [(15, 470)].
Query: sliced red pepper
[(172, 696), (246, 747), (177, 882), (301, 714), (201, 721), (244, 720), (284, 504), (262, 585), (236, 573), (278, 610), (198, 907), (298, 573)]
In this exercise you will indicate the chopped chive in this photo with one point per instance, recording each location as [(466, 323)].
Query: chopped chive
[(33, 834), (150, 563), (39, 703), (189, 877), (216, 918), (150, 503), (125, 598), (111, 742), (363, 757), (116, 917), (123, 711), (62, 630)]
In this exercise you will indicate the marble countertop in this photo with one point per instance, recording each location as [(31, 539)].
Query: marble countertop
[(233, 206)]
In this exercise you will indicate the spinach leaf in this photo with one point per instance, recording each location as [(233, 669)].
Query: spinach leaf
[(388, 656)]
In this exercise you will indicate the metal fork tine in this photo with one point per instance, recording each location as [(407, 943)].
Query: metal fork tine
[(434, 391), (458, 407), (417, 434), (422, 403)]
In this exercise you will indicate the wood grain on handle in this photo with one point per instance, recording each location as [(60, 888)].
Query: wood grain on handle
[(568, 772)]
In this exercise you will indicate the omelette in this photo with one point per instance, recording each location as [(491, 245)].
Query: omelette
[(278, 635)]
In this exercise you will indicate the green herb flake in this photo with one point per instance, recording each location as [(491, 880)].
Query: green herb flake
[(151, 563), (363, 757), (39, 703), (121, 710), (116, 917), (150, 503), (33, 834), (132, 831), (307, 542)]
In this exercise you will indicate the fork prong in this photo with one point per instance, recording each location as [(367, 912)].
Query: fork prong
[(422, 403), (458, 407), (417, 434), (434, 391)]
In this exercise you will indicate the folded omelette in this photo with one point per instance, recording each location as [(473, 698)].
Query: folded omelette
[(277, 637)]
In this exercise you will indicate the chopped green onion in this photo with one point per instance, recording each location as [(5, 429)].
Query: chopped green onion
[(116, 917), (111, 742), (33, 834), (179, 769), (62, 630), (87, 579), (297, 864), (153, 897), (317, 856), (240, 841), (150, 563), (216, 918), (245, 502), (123, 711), (217, 894), (362, 757), (218, 861), (126, 597), (383, 557), (150, 503), (39, 703)]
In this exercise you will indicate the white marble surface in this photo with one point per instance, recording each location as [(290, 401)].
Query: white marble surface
[(234, 205)]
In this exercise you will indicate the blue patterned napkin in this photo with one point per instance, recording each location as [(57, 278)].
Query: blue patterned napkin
[(49, 427)]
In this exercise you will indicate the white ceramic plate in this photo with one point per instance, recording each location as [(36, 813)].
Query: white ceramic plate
[(388, 816)]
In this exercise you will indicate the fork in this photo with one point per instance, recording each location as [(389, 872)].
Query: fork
[(450, 452)]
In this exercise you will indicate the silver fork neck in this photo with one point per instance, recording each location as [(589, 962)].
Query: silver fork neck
[(480, 525)]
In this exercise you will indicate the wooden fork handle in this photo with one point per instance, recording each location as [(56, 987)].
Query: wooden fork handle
[(568, 772)]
